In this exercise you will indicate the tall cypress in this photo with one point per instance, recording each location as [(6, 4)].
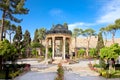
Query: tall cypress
[(27, 38), (100, 42), (36, 36)]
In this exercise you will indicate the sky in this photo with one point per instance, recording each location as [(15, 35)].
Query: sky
[(76, 13)]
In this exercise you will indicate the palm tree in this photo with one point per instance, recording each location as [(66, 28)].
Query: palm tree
[(41, 34), (88, 33)]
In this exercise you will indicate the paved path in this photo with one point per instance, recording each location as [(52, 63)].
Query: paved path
[(79, 71)]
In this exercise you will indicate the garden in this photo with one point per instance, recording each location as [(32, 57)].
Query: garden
[(109, 65)]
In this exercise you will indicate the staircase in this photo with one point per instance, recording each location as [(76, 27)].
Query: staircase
[(58, 60)]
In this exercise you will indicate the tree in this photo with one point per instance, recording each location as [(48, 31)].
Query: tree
[(36, 36), (26, 42), (100, 42), (65, 25), (41, 34), (81, 52), (110, 52), (93, 52), (17, 40), (9, 9), (75, 35), (9, 29), (38, 45), (27, 38), (18, 35), (7, 51), (88, 33), (103, 30), (112, 28)]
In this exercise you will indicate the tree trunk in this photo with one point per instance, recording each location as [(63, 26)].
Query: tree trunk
[(87, 50), (1, 37), (113, 34), (88, 43), (105, 39), (2, 27), (0, 62)]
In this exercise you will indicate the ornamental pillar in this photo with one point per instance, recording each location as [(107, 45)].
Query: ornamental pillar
[(53, 47), (70, 53), (46, 52), (64, 39)]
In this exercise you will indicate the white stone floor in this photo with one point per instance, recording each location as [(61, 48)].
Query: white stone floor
[(41, 71)]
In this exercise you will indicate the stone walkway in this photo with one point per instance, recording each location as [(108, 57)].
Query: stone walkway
[(79, 71)]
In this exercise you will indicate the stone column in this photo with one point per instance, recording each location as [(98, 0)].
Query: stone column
[(46, 49), (53, 47), (70, 53), (64, 39)]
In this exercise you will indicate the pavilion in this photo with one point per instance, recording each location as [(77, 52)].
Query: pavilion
[(57, 38)]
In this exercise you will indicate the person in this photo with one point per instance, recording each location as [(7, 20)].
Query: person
[(111, 65)]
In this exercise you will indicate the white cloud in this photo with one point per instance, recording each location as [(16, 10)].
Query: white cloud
[(81, 25), (110, 12)]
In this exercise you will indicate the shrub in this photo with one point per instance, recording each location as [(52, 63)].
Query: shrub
[(60, 72)]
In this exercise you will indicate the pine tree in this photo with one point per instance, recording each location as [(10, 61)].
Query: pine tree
[(9, 9), (100, 42)]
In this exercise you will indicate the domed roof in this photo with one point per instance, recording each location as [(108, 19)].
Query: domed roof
[(59, 29)]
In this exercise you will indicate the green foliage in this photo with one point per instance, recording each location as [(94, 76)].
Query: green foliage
[(34, 52), (7, 50), (36, 45), (9, 10), (41, 34), (89, 32), (60, 72), (93, 52), (102, 63), (81, 52), (65, 25), (12, 7), (27, 38), (100, 42), (36, 36), (50, 52), (18, 35), (110, 52)]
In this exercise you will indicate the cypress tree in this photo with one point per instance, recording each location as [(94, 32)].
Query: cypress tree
[(27, 38), (36, 36), (100, 42)]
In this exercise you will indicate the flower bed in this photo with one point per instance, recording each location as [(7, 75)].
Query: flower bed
[(105, 72)]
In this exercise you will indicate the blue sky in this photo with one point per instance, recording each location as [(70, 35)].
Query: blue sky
[(77, 13)]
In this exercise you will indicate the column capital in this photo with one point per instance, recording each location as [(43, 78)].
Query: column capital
[(64, 38)]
